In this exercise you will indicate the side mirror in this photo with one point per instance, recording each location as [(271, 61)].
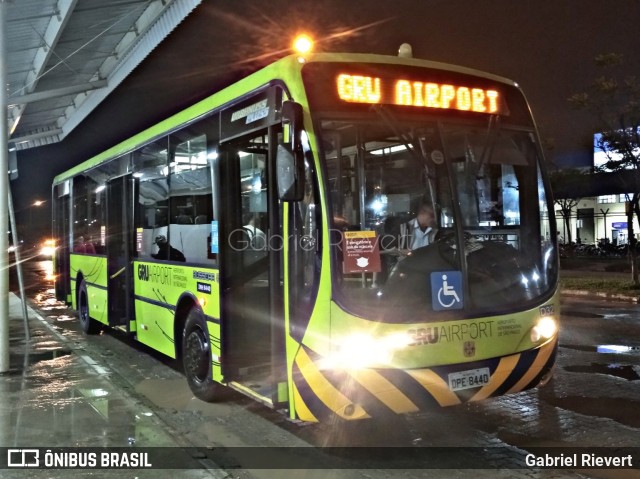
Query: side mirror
[(290, 157), (290, 174)]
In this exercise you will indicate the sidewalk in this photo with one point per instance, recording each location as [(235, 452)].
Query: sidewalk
[(56, 395), (594, 269)]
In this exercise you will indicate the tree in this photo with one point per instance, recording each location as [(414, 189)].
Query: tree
[(561, 182), (614, 103), (566, 208)]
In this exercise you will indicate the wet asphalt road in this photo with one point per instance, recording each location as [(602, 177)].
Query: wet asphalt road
[(592, 401)]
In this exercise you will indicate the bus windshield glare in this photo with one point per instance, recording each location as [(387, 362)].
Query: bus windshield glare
[(416, 200)]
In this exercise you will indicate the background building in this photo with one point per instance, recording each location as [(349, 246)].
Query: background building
[(598, 212), (597, 219)]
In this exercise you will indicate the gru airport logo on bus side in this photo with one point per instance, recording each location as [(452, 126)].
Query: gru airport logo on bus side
[(154, 273)]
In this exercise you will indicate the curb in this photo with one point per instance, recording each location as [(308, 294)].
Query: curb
[(601, 295)]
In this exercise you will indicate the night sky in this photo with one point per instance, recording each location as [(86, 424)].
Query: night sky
[(547, 46)]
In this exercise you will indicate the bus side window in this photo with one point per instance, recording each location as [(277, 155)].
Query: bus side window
[(150, 167), (190, 189)]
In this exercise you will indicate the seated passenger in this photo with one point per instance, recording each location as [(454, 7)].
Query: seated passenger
[(257, 238), (83, 246), (166, 251)]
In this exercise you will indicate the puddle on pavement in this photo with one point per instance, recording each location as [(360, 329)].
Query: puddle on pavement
[(45, 345), (24, 360), (167, 393), (580, 314), (604, 348), (48, 354), (82, 410), (617, 349), (46, 301), (620, 410), (618, 370), (175, 394)]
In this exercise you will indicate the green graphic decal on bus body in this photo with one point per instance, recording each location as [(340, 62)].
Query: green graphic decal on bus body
[(93, 271), (159, 291)]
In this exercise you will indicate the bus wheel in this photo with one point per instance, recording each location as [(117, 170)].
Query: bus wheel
[(196, 357), (88, 324)]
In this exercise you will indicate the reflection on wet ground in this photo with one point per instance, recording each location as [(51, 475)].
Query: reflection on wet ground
[(604, 348), (627, 372), (52, 396), (170, 394), (623, 411), (580, 314), (30, 358), (617, 349), (55, 395)]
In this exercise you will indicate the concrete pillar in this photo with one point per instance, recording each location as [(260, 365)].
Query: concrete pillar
[(4, 195)]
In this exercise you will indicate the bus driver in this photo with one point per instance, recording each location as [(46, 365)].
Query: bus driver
[(421, 230)]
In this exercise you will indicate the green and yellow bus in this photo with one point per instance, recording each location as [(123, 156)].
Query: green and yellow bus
[(267, 238)]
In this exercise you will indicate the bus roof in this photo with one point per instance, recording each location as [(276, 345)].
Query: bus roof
[(282, 69)]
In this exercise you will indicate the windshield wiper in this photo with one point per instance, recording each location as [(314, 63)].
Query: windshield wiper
[(492, 130), (406, 140)]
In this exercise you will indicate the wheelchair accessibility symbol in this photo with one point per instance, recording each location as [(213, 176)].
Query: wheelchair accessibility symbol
[(446, 290)]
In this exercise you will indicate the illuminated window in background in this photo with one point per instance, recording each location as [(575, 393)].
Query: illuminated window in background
[(607, 199), (600, 158)]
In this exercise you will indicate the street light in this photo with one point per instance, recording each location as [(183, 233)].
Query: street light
[(302, 45), (36, 203)]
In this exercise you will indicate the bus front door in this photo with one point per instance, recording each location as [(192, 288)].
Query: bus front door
[(119, 249), (252, 332), (61, 227)]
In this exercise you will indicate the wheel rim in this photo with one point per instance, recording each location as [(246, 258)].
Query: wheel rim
[(84, 310), (196, 355)]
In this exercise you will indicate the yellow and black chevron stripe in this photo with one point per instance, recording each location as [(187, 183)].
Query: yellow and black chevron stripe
[(320, 395)]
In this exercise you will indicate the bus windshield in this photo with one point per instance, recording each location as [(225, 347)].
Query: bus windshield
[(436, 218)]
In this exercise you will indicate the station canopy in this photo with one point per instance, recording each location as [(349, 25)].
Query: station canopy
[(65, 56)]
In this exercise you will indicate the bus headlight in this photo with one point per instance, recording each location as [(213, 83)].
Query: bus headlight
[(48, 247), (546, 328), (360, 351)]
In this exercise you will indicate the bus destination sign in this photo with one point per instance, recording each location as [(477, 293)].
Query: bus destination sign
[(404, 92)]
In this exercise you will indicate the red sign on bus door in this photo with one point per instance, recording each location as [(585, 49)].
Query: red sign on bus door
[(361, 252)]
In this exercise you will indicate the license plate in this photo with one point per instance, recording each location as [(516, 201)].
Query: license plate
[(472, 378)]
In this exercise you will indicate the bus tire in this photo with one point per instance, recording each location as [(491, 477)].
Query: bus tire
[(87, 323), (196, 357)]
